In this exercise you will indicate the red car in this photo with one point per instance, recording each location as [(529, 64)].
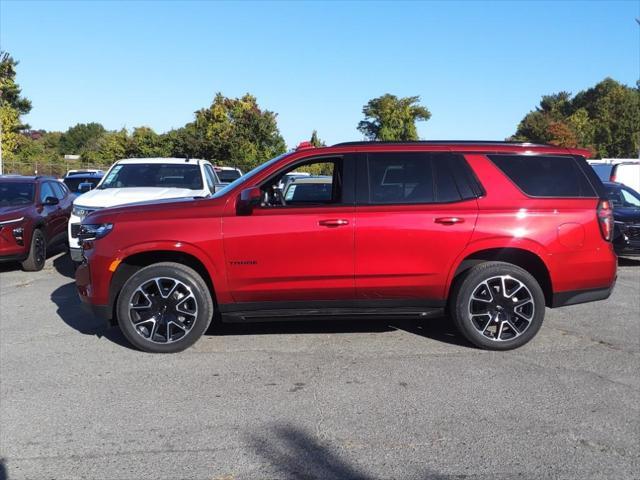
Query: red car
[(490, 232), (34, 212)]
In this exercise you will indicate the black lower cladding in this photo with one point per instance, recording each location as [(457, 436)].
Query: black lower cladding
[(563, 299), (301, 310)]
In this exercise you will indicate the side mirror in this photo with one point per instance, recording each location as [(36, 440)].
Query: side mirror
[(248, 200), (84, 187), (51, 201)]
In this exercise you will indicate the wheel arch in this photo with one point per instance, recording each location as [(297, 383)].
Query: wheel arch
[(521, 257), (135, 261)]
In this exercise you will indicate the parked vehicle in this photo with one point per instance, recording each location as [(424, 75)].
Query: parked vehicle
[(603, 170), (80, 183), (82, 171), (143, 179), (627, 173), (490, 232), (290, 177), (228, 174), (309, 189), (34, 212), (626, 215)]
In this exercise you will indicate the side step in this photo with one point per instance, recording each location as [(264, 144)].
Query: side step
[(328, 313)]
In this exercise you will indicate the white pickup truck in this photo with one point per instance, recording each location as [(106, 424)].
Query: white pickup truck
[(135, 180)]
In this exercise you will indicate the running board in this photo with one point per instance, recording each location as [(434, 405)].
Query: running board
[(328, 313)]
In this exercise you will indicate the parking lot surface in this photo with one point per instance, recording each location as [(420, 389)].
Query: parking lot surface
[(337, 399)]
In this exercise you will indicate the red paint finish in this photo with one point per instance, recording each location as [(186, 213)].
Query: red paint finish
[(344, 252), (52, 219)]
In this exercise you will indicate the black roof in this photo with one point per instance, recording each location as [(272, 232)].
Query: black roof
[(440, 142), (25, 178)]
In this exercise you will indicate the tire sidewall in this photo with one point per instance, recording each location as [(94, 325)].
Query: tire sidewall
[(463, 294), (31, 264), (179, 272)]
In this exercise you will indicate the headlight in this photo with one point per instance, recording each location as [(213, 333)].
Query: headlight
[(80, 211), (94, 231), (12, 220)]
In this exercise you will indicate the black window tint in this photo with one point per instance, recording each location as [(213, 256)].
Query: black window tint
[(446, 189), (400, 178), (46, 191), (545, 176)]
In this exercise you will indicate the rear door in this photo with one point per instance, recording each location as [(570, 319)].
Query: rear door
[(415, 213)]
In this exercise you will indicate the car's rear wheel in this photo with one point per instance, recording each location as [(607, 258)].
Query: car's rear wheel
[(497, 306), (164, 308), (37, 252)]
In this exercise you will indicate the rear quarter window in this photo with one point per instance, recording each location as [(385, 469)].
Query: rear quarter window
[(545, 175)]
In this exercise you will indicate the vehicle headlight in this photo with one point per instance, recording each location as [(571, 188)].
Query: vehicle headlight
[(80, 211), (94, 231)]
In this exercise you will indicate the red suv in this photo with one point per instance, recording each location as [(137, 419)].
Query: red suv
[(490, 232), (34, 212)]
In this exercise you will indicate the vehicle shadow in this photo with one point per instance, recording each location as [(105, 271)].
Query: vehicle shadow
[(295, 453), (628, 262), (56, 250), (70, 310), (64, 266), (3, 470), (437, 328)]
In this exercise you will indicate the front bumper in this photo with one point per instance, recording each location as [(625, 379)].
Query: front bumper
[(75, 254)]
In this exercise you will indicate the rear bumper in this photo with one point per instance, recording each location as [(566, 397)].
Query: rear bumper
[(562, 299)]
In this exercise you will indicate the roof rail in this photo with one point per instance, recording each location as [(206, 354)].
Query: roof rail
[(440, 142)]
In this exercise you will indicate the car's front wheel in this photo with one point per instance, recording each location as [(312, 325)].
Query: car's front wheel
[(497, 306), (164, 308), (37, 252)]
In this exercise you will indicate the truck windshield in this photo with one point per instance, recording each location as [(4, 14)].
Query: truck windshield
[(166, 175)]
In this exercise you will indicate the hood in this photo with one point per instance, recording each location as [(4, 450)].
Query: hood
[(111, 197), (13, 211), (626, 215), (179, 208)]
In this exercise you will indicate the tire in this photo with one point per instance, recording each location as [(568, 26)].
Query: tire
[(37, 252), (497, 306), (164, 308)]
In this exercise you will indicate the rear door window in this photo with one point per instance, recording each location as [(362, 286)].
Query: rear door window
[(545, 175)]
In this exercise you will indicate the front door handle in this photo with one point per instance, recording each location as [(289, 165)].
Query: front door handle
[(449, 220), (334, 222)]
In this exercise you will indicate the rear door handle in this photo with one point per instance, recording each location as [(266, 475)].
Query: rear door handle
[(334, 222), (449, 220)]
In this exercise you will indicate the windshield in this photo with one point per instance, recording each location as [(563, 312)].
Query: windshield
[(228, 175), (249, 175), (74, 182), (168, 175), (14, 193), (623, 197)]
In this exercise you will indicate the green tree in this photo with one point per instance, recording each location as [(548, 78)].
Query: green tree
[(235, 131), (12, 106), (604, 118), (389, 118), (145, 143), (81, 138), (315, 140)]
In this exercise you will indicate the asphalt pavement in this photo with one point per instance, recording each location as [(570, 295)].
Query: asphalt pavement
[(367, 399)]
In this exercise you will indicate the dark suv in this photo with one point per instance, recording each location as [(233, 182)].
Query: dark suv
[(34, 212), (490, 232)]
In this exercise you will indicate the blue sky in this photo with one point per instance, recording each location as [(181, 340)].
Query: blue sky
[(479, 67)]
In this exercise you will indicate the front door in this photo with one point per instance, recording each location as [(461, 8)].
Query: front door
[(298, 245), (415, 214)]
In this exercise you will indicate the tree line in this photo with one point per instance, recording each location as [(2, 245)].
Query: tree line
[(238, 132)]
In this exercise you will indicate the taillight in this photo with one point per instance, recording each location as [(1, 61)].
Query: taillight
[(605, 219)]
